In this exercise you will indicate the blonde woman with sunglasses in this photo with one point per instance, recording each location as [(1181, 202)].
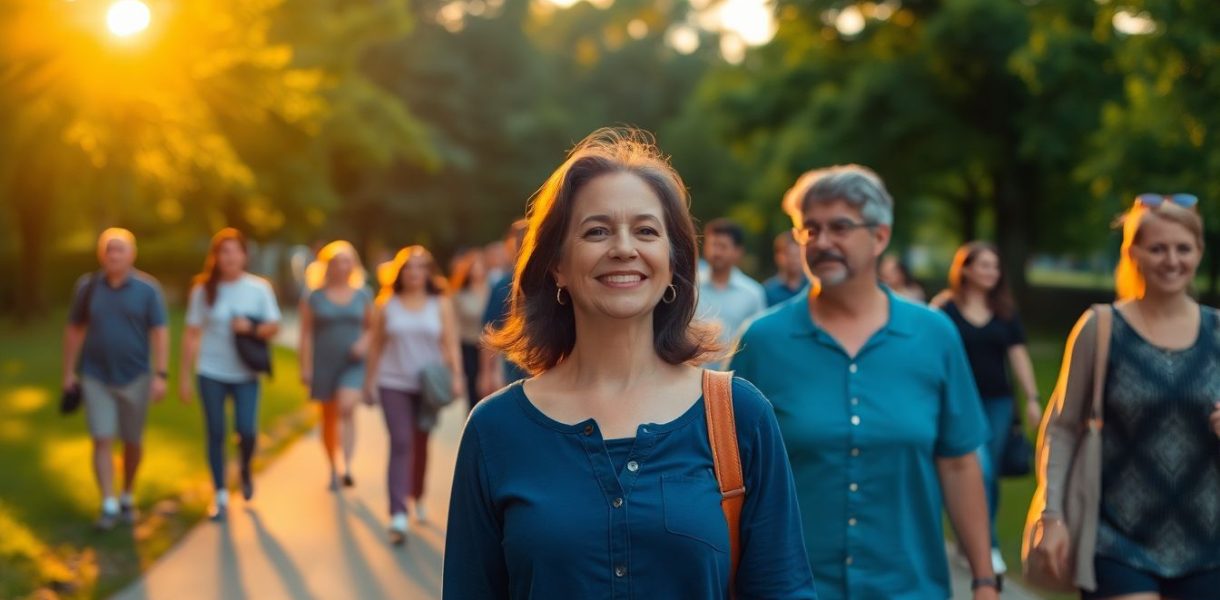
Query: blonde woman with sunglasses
[(1158, 514)]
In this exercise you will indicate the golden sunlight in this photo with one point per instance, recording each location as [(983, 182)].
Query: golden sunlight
[(128, 17)]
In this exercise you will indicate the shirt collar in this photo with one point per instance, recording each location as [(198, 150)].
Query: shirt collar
[(122, 284), (901, 321)]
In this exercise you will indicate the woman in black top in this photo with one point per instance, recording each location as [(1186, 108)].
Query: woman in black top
[(980, 305)]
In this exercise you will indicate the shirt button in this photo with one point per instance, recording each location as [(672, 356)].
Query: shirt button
[(855, 420), (851, 522), (847, 560), (633, 466), (855, 401), (853, 368), (618, 502), (853, 487), (620, 571), (588, 430), (855, 452)]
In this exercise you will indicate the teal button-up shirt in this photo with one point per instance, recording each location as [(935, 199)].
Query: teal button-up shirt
[(863, 434)]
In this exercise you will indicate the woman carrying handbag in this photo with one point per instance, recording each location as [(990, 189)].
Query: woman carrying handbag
[(1131, 510)]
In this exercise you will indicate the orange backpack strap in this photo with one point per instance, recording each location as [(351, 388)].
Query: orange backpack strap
[(722, 435)]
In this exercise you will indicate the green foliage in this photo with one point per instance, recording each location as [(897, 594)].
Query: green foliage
[(433, 121), (49, 495)]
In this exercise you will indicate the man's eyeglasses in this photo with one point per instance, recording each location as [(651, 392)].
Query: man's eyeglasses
[(1155, 200), (836, 229)]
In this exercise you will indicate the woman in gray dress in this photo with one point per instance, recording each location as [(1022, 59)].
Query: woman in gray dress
[(335, 318)]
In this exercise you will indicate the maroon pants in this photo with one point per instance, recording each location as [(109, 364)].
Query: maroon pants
[(408, 448)]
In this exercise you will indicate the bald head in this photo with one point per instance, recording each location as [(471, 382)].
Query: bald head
[(116, 251)]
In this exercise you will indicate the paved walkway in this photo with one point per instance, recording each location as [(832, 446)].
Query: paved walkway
[(299, 541)]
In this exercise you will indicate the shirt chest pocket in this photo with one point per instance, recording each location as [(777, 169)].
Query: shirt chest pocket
[(692, 510)]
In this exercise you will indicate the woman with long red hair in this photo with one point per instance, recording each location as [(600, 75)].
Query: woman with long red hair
[(226, 301)]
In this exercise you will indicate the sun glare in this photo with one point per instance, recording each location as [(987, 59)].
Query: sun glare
[(750, 19), (128, 17)]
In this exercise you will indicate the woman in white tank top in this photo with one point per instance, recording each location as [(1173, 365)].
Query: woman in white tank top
[(414, 327)]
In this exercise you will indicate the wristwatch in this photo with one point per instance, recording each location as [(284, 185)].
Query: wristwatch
[(992, 582)]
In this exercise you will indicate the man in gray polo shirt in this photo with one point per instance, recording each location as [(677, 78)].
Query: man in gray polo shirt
[(117, 314)]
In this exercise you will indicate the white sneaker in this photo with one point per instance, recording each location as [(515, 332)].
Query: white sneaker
[(398, 529), (420, 515), (398, 522), (997, 562)]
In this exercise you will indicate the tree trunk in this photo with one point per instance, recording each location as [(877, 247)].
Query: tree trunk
[(1012, 216), (32, 210), (971, 204)]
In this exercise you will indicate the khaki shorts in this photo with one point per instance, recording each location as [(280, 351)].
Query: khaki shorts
[(116, 411)]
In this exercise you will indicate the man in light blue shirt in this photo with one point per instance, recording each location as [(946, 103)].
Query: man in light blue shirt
[(877, 406), (727, 297)]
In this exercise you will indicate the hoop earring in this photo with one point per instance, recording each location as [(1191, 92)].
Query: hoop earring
[(559, 296), (669, 298)]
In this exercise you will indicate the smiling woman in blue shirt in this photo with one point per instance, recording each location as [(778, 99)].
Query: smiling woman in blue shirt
[(876, 403), (594, 478)]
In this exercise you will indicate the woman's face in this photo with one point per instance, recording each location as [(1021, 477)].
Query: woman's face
[(339, 269), (983, 272), (615, 261), (1167, 255), (478, 269), (890, 274), (415, 273), (230, 258)]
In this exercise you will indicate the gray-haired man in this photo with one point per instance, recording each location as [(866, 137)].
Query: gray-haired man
[(876, 403), (117, 314)]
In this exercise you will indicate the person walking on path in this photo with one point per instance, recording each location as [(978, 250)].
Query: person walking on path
[(117, 316), (415, 326), (494, 369), (981, 307), (594, 478), (879, 412), (789, 278), (727, 297), (226, 301), (335, 324), (471, 292), (1153, 529)]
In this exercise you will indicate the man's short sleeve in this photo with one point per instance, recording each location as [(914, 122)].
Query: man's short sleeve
[(78, 314), (961, 426)]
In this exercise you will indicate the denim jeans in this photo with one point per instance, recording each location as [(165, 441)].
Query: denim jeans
[(212, 394), (999, 413)]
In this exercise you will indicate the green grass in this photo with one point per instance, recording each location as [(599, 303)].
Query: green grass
[(48, 498)]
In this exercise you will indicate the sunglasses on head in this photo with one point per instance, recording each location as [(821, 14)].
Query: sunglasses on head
[(1155, 200)]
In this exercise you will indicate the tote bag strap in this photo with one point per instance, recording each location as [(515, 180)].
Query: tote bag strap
[(726, 456)]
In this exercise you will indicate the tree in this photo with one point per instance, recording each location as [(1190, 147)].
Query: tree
[(1160, 134), (933, 95), (253, 114)]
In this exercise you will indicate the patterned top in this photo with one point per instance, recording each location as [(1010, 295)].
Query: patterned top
[(1160, 497)]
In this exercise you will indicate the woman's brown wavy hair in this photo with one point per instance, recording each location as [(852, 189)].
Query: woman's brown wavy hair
[(539, 332)]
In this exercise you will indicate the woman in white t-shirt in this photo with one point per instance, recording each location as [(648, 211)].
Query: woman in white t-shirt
[(225, 301)]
